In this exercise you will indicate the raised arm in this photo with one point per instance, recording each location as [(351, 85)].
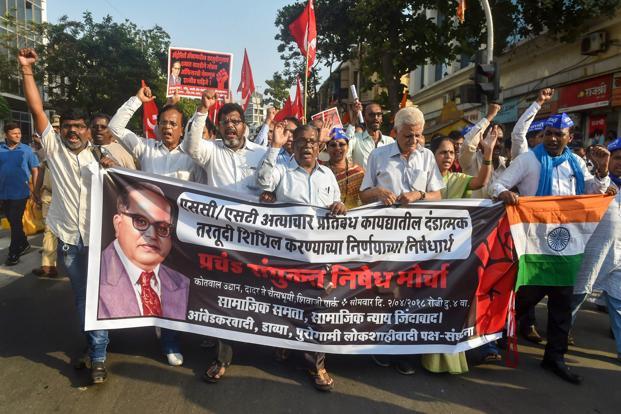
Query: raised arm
[(261, 137), (119, 122), (473, 137), (485, 172), (268, 175), (199, 149), (27, 58), (519, 145)]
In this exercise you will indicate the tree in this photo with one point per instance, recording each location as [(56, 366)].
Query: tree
[(396, 36), (96, 66), (277, 91)]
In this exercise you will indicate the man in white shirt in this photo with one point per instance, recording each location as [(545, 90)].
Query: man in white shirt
[(69, 158), (230, 164), (303, 181), (471, 157), (403, 171), (552, 169), (362, 143), (164, 156)]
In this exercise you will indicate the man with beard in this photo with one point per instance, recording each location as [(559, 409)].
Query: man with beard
[(471, 156), (69, 158), (102, 138), (302, 181), (230, 163), (552, 169), (361, 145), (164, 157)]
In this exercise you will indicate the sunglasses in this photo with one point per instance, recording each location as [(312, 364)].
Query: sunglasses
[(337, 144)]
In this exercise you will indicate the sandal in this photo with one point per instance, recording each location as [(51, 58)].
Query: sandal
[(492, 358), (322, 380), (214, 373)]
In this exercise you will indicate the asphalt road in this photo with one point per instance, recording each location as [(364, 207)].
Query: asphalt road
[(39, 336)]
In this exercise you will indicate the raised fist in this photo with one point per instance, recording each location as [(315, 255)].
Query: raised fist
[(27, 56)]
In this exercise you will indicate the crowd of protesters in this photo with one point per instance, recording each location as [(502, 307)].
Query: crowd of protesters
[(335, 168)]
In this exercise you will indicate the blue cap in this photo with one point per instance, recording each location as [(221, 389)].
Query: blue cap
[(559, 121), (466, 129), (615, 145), (338, 133), (537, 126)]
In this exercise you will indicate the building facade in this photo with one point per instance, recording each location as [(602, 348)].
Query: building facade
[(25, 13)]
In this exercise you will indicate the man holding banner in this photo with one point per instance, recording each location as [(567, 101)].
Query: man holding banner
[(302, 181), (552, 169), (230, 163)]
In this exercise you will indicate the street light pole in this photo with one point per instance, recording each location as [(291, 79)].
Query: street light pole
[(490, 31)]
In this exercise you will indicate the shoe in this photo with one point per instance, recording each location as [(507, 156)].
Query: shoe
[(98, 372), (562, 370), (530, 334), (25, 249), (570, 339), (405, 367), (322, 380), (383, 361), (175, 359), (12, 260), (45, 271)]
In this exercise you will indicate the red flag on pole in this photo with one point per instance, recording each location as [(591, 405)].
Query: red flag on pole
[(297, 108), (304, 32), (246, 84), (461, 10), (149, 117), (287, 110)]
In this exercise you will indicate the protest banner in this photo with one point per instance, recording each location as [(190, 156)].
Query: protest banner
[(428, 277), (191, 71), (329, 115)]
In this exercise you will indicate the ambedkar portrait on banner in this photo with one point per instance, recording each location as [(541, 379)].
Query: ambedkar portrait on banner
[(133, 281)]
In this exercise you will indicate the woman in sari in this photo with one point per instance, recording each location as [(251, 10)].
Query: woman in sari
[(348, 175), (457, 185)]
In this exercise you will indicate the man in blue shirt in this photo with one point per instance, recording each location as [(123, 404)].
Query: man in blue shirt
[(17, 164)]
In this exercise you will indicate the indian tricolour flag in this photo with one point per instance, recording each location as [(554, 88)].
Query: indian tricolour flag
[(550, 234)]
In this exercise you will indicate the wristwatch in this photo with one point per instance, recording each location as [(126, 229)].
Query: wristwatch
[(422, 195)]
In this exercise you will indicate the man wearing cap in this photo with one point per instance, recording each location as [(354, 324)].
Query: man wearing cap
[(601, 268), (528, 133), (552, 169), (471, 157)]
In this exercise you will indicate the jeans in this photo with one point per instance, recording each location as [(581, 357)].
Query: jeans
[(14, 211), (169, 342), (614, 312), (489, 348), (75, 259)]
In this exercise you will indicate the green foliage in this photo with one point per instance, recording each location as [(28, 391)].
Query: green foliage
[(277, 91), (5, 111)]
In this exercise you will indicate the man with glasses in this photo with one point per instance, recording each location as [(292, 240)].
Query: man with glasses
[(133, 280), (69, 160), (361, 145), (104, 140), (230, 164), (551, 168), (164, 156)]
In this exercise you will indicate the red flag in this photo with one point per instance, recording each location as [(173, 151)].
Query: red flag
[(149, 117), (246, 84), (461, 10), (213, 111), (304, 32), (287, 110), (297, 108)]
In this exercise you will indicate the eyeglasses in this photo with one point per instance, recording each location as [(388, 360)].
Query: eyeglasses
[(305, 143), (164, 124), (72, 125), (337, 144), (235, 122), (141, 223)]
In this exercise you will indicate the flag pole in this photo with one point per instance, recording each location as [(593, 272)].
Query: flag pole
[(305, 84)]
